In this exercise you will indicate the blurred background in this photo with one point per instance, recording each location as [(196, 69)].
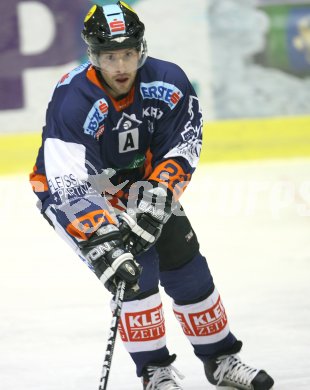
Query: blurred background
[(249, 61)]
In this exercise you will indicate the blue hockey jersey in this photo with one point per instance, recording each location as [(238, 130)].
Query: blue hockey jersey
[(95, 147)]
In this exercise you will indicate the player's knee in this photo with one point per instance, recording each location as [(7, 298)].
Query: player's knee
[(178, 243), (190, 283)]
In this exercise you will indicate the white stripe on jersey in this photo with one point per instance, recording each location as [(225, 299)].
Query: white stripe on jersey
[(56, 152)]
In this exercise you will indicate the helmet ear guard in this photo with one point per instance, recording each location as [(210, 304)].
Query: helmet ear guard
[(113, 27)]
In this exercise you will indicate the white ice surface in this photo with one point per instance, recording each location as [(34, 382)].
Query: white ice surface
[(55, 314)]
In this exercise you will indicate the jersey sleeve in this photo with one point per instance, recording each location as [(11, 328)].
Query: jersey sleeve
[(71, 161), (177, 139)]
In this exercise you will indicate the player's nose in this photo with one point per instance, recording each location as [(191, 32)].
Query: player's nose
[(120, 66)]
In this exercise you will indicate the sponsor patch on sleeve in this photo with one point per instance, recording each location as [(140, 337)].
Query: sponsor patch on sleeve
[(93, 123), (67, 78)]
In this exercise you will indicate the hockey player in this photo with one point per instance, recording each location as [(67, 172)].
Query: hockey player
[(121, 142)]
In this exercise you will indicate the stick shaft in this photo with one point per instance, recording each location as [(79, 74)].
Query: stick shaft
[(112, 336)]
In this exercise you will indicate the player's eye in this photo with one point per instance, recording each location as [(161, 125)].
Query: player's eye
[(108, 57), (130, 54)]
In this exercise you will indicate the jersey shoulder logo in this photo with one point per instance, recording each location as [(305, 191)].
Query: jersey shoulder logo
[(160, 90), (93, 124), (67, 78)]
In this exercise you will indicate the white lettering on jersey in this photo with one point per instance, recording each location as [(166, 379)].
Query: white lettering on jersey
[(153, 112), (160, 90), (65, 180)]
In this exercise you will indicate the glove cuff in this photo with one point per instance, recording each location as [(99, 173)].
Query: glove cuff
[(105, 233)]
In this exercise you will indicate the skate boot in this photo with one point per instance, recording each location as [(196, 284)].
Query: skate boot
[(228, 371), (160, 376)]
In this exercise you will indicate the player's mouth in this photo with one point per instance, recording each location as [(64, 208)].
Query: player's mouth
[(122, 79)]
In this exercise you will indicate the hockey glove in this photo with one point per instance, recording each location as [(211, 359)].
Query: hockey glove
[(142, 225), (106, 254)]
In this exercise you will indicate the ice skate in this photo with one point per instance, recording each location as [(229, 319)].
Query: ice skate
[(161, 376), (229, 372)]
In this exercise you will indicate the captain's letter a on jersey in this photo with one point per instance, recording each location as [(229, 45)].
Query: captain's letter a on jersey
[(128, 133)]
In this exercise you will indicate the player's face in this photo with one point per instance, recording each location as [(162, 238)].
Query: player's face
[(119, 69)]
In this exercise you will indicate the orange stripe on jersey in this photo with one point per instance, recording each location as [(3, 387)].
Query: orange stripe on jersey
[(38, 181), (171, 174), (119, 105), (83, 227), (148, 169)]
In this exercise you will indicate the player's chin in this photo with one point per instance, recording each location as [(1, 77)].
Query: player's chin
[(124, 86)]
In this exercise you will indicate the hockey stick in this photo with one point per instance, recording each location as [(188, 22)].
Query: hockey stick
[(112, 335)]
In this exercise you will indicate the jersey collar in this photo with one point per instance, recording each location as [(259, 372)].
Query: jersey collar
[(119, 105)]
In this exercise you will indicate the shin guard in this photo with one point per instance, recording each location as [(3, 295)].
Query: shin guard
[(205, 324), (142, 329)]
